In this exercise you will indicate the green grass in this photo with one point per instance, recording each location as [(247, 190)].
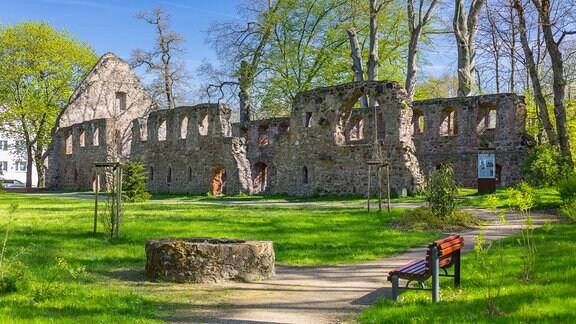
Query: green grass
[(548, 297), (547, 197), (114, 287)]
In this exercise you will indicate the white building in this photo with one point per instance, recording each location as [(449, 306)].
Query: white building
[(13, 160)]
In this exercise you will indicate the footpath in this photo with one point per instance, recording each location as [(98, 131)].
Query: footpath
[(333, 294)]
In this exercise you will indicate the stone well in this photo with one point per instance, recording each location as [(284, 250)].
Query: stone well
[(207, 260)]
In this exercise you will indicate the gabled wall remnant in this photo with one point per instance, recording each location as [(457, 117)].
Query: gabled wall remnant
[(322, 148), (111, 95)]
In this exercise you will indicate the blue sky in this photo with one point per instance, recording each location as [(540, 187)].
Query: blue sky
[(110, 26)]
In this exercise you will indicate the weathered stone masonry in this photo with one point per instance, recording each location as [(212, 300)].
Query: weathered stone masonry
[(323, 147)]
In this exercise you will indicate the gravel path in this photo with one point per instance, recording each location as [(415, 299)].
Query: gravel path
[(333, 294)]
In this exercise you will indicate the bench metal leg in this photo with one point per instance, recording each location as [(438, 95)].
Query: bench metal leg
[(456, 256), (435, 263), (395, 287)]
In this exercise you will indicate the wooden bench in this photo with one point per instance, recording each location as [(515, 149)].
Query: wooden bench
[(440, 255)]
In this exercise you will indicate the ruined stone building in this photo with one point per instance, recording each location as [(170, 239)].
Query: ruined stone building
[(322, 148)]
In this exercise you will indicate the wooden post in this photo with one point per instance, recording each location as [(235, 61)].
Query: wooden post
[(96, 198), (118, 198), (379, 188), (388, 185), (369, 176)]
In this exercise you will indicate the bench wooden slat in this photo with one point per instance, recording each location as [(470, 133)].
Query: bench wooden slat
[(448, 254)]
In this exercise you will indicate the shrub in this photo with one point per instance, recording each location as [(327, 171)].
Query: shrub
[(419, 219), (544, 166), (134, 182), (568, 211), (441, 192), (567, 188)]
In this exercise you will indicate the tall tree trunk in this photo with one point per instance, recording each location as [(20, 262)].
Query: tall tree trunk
[(465, 28), (373, 58), (415, 25), (512, 86), (495, 47), (559, 83), (534, 76), (356, 55)]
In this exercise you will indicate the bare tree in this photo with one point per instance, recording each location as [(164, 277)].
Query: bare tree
[(465, 28), (530, 63), (559, 82), (417, 20), (357, 65), (162, 61)]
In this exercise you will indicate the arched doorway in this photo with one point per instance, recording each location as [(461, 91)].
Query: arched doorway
[(218, 181), (260, 181)]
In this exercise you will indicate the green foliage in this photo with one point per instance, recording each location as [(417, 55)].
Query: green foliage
[(567, 188), (441, 192), (568, 210), (134, 182), (420, 219), (39, 69), (545, 166)]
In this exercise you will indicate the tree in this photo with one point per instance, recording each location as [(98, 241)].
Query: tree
[(134, 182), (465, 28), (544, 9), (530, 64), (417, 20), (162, 61), (39, 69)]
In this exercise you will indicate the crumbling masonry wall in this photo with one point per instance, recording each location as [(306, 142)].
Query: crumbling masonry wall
[(454, 129), (110, 97), (190, 150), (330, 141)]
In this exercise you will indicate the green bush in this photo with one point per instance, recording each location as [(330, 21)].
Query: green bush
[(568, 211), (567, 188), (15, 277), (545, 166), (420, 219), (441, 192), (134, 182)]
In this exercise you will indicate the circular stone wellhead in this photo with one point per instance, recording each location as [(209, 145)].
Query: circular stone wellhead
[(208, 260)]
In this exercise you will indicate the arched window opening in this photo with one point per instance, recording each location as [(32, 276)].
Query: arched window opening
[(203, 125), (162, 130), (357, 130), (487, 117), (96, 137), (121, 100), (143, 130), (189, 174), (81, 139), (417, 122), (151, 173), (184, 127), (305, 175), (448, 126), (263, 135), (169, 176), (69, 144), (260, 180), (283, 128), (308, 119)]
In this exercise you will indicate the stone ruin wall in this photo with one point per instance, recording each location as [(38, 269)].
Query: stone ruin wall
[(330, 141), (107, 100), (489, 121), (323, 147), (191, 150), (75, 149), (263, 138)]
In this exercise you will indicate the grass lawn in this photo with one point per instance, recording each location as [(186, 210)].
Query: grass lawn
[(549, 296), (76, 275)]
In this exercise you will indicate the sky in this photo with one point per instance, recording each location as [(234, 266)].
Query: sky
[(110, 25)]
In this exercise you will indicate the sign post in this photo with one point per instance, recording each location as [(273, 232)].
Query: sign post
[(486, 170)]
